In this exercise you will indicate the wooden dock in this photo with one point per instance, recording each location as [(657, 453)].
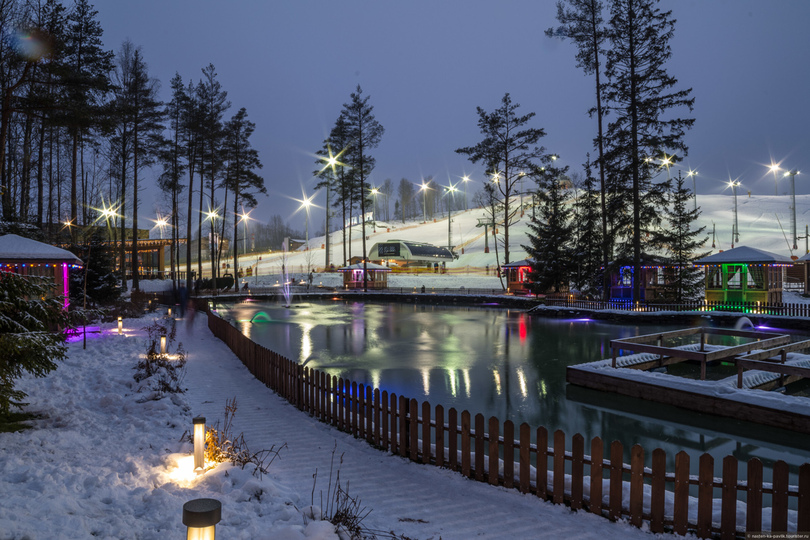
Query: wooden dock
[(764, 355)]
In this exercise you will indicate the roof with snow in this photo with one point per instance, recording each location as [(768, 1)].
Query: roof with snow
[(359, 266), (517, 264), (17, 249), (744, 255)]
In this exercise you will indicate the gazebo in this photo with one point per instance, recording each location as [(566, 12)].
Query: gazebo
[(744, 274), (655, 272), (517, 276), (353, 276), (31, 258)]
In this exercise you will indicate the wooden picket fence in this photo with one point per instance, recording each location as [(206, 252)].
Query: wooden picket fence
[(472, 445), (756, 308)]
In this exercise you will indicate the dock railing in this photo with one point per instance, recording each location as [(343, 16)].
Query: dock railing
[(676, 501), (756, 308)]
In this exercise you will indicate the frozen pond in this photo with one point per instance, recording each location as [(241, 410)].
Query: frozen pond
[(501, 363)]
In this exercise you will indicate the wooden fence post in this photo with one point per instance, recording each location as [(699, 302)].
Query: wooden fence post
[(404, 430), (728, 508), (577, 467), (804, 498), (558, 491), (658, 490), (753, 498), (494, 450), (386, 421), (414, 430), (376, 404), (452, 438), (425, 432), (525, 458), (616, 474), (394, 423), (479, 447), (779, 512), (465, 444), (508, 454), (705, 489), (595, 494), (370, 416), (636, 484), (541, 463), (439, 436)]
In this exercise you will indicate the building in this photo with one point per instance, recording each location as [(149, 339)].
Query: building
[(407, 254), (353, 276), (744, 274), (31, 258)]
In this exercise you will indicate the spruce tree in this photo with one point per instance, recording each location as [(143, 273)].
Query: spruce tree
[(550, 246), (644, 104), (684, 279), (588, 237)]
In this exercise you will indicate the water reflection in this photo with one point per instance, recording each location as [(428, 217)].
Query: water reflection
[(501, 363)]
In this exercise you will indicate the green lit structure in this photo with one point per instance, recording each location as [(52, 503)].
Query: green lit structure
[(744, 274)]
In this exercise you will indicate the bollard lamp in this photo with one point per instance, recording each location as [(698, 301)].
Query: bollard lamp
[(120, 325), (201, 517), (162, 344), (199, 443)]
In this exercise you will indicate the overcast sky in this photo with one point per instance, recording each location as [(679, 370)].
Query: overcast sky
[(427, 65)]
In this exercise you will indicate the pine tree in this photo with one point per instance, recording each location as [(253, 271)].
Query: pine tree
[(28, 312), (684, 279), (241, 177), (551, 237), (583, 23), (643, 103), (508, 151), (364, 134)]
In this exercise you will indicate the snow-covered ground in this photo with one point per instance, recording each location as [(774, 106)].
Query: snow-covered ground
[(105, 461)]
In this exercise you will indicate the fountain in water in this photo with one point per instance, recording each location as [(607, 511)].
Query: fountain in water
[(285, 279), (743, 323)]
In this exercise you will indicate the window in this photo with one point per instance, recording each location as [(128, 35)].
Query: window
[(756, 277), (715, 278), (734, 279)]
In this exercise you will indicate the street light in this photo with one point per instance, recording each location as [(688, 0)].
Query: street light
[(792, 173), (693, 174), (375, 191), (736, 232), (423, 188), (774, 168), (451, 189), (331, 162), (244, 217)]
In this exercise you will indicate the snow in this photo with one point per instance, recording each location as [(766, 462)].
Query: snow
[(104, 461), (14, 247)]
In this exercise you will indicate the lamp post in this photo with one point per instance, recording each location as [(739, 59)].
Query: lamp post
[(451, 189), (199, 443), (375, 191), (465, 179), (423, 188), (736, 232), (693, 174), (792, 173)]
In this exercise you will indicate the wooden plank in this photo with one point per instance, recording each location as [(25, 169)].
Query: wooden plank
[(636, 485), (753, 498), (393, 423), (649, 338), (340, 399), (360, 410), (508, 454), (370, 416), (616, 465), (479, 447), (595, 494), (558, 490), (452, 438), (785, 369), (426, 432), (658, 490), (494, 451), (680, 518), (541, 463), (413, 430), (792, 347), (577, 467), (465, 444), (705, 482), (804, 498), (780, 497), (353, 410), (763, 344), (404, 432), (439, 436), (385, 420), (728, 505), (525, 457)]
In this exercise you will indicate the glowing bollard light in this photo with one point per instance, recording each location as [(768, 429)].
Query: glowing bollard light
[(199, 443), (162, 344), (120, 325), (170, 312), (201, 517)]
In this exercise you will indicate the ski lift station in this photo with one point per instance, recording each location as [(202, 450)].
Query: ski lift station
[(407, 254)]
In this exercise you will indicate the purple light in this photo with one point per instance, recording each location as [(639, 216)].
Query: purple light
[(65, 283)]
